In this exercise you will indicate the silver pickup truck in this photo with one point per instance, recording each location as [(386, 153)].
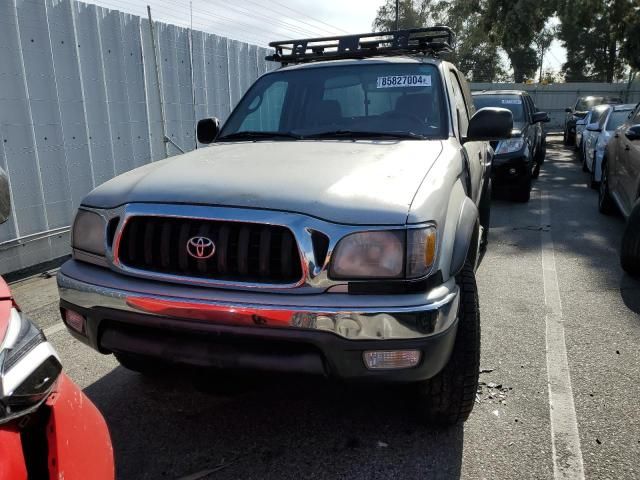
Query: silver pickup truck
[(333, 227)]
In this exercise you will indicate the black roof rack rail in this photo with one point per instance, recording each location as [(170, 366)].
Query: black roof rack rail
[(428, 41)]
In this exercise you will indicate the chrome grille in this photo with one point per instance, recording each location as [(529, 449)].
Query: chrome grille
[(244, 252)]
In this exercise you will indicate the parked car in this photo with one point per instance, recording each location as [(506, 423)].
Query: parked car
[(598, 136), (582, 134), (579, 111), (518, 159), (620, 186), (48, 428), (332, 227)]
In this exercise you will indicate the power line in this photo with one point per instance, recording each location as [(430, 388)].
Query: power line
[(298, 29), (171, 13), (309, 16), (324, 31), (225, 25)]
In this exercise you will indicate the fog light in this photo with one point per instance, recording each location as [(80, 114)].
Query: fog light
[(391, 359), (74, 320), (512, 171)]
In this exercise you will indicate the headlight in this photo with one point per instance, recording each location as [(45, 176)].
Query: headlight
[(421, 251), (369, 255), (511, 145), (385, 254), (29, 368), (89, 232)]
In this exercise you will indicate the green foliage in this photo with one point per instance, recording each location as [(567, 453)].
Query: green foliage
[(631, 44), (599, 36), (413, 14), (514, 24), (475, 54)]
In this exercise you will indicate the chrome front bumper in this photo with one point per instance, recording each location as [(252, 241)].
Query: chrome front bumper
[(352, 317)]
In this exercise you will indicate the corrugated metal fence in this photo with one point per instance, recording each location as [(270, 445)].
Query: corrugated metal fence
[(555, 98), (79, 104)]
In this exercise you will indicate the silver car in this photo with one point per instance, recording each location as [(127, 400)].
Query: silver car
[(598, 135), (334, 227)]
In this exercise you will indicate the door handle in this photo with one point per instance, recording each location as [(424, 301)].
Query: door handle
[(480, 156), (617, 135), (627, 148)]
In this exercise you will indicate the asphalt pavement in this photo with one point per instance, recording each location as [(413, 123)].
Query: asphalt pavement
[(580, 311)]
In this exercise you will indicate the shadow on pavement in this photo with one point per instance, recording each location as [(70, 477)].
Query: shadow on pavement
[(630, 293), (269, 427)]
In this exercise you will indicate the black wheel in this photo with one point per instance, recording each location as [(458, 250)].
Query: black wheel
[(592, 175), (485, 214), (605, 202), (584, 164), (630, 252), (523, 194), (140, 364), (448, 398), (536, 170), (579, 149)]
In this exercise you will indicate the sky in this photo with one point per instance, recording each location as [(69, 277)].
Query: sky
[(262, 21)]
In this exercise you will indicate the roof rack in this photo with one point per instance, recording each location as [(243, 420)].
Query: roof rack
[(428, 41)]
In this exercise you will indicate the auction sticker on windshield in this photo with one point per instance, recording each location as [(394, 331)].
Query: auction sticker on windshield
[(514, 101), (394, 81)]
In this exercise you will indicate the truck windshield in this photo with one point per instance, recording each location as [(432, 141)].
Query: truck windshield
[(511, 102), (367, 100)]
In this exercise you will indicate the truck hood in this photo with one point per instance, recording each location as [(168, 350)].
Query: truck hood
[(369, 182)]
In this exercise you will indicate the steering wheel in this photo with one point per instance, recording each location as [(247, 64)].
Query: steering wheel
[(409, 116)]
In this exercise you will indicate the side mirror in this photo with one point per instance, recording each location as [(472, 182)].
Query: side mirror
[(490, 123), (594, 127), (633, 133), (568, 110), (540, 117), (5, 197), (208, 129)]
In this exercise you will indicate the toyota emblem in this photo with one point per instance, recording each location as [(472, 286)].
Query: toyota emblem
[(201, 248)]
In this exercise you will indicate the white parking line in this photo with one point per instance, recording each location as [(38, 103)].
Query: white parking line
[(53, 329), (565, 439)]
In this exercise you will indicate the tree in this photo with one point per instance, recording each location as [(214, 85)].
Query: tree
[(542, 41), (598, 36), (474, 54), (630, 50), (513, 25), (412, 14)]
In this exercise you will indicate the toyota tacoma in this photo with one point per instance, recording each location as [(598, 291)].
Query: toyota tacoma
[(333, 226)]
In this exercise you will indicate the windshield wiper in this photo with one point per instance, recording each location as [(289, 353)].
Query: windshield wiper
[(363, 134), (255, 135)]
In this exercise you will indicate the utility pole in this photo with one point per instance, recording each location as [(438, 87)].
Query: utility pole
[(397, 14), (158, 82)]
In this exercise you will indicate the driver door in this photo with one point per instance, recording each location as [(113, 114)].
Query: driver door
[(629, 160), (475, 151)]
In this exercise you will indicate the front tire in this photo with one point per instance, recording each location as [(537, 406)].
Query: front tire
[(592, 176), (485, 215), (605, 202), (523, 194), (630, 252), (448, 398)]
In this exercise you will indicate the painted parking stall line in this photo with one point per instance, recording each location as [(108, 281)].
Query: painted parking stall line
[(53, 329), (565, 439)]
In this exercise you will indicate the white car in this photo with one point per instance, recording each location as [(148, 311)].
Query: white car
[(583, 135), (597, 135)]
